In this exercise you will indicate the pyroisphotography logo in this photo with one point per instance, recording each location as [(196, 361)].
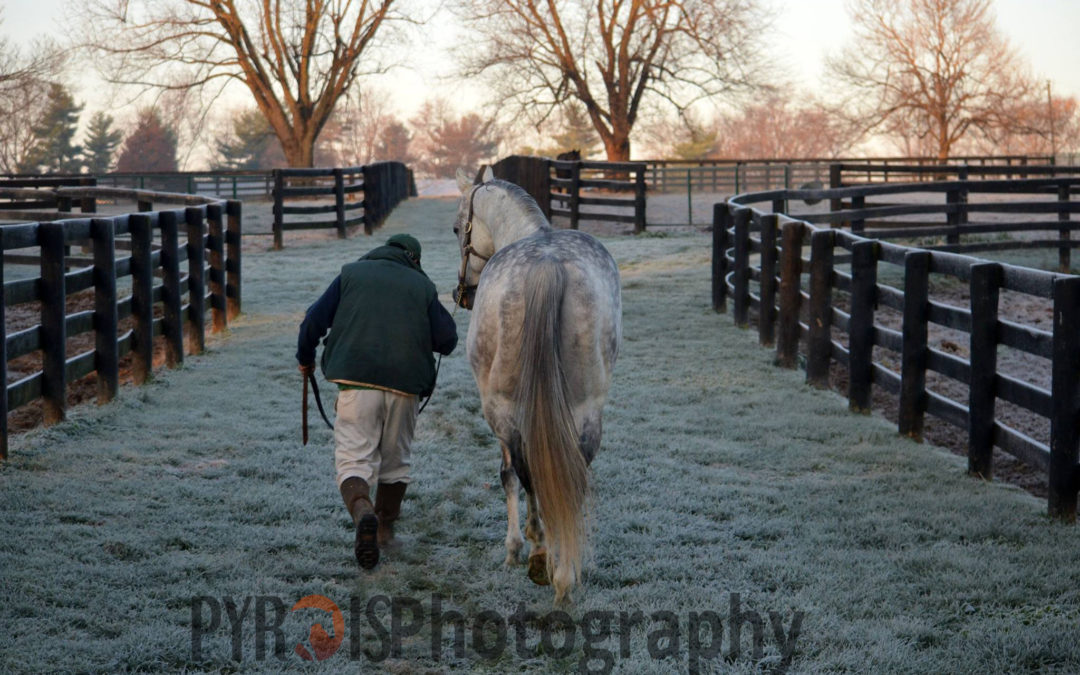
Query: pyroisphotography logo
[(381, 627)]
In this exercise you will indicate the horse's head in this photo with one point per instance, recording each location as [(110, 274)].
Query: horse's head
[(474, 237)]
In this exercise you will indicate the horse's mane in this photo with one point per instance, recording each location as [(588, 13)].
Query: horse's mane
[(520, 197)]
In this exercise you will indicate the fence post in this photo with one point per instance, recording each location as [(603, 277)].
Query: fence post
[(372, 198), (196, 246), (172, 300), (142, 298), (736, 191), (106, 348), (721, 223), (689, 199), (985, 284), (767, 306), (575, 194), (1065, 389), (639, 200), (819, 337), (741, 281), (861, 326), (53, 299), (957, 198), (215, 219), (915, 351), (339, 202), (787, 334), (88, 204), (234, 209), (1064, 234), (858, 226), (834, 183), (3, 362), (279, 216)]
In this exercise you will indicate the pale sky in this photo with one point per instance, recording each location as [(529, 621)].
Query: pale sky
[(1047, 33)]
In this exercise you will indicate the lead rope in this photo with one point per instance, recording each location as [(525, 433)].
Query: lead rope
[(467, 250), (438, 365)]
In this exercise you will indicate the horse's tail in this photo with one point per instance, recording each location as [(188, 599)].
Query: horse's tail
[(550, 445)]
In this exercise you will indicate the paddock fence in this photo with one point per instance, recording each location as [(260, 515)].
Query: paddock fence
[(68, 315), (580, 190), (734, 176), (243, 185), (988, 347), (372, 190)]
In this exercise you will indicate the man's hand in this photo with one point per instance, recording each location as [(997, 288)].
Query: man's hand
[(306, 369)]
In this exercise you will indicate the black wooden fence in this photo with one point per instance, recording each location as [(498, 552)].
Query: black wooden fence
[(844, 173), (811, 304), (203, 233), (380, 186), (576, 184), (733, 176)]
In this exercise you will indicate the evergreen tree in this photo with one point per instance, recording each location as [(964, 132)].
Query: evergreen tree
[(251, 144), (150, 147), (576, 133), (393, 143), (53, 150), (101, 143)]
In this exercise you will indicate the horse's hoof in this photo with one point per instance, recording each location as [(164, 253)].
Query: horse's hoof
[(538, 569)]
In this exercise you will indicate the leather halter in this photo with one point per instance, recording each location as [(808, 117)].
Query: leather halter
[(467, 250)]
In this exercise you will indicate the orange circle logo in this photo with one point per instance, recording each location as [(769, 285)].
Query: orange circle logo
[(323, 644)]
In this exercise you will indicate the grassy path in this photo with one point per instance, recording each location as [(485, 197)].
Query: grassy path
[(722, 479)]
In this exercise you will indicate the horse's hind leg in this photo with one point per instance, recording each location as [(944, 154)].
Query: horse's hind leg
[(534, 531), (514, 542)]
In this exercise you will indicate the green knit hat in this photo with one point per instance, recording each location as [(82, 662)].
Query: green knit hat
[(407, 242)]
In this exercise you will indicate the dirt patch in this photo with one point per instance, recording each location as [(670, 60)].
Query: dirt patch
[(82, 390)]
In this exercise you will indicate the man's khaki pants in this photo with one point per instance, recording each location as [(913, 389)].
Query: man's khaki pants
[(373, 434)]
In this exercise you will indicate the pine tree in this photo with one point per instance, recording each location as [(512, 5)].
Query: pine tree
[(101, 143), (576, 133), (150, 147), (53, 150), (251, 144), (393, 143)]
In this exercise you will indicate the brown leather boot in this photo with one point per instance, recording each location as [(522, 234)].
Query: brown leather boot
[(357, 497), (388, 507)]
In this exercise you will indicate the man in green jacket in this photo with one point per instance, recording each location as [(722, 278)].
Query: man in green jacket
[(385, 320)]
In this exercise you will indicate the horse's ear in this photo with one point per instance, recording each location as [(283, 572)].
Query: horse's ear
[(487, 174), (463, 181)]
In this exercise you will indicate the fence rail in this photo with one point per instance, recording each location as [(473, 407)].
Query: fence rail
[(203, 232), (729, 176), (842, 174), (381, 187), (242, 185), (562, 188), (809, 305)]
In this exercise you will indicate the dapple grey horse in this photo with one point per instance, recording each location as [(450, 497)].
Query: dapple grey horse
[(543, 339)]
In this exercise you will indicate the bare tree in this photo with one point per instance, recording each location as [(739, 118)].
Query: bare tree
[(447, 141), (351, 137), (26, 77), (776, 128), (611, 55), (296, 58), (935, 70)]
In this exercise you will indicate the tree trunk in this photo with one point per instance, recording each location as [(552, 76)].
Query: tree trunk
[(299, 153), (617, 148)]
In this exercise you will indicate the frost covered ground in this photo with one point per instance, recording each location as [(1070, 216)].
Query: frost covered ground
[(722, 479)]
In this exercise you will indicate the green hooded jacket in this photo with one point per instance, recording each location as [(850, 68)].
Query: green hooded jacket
[(381, 334)]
